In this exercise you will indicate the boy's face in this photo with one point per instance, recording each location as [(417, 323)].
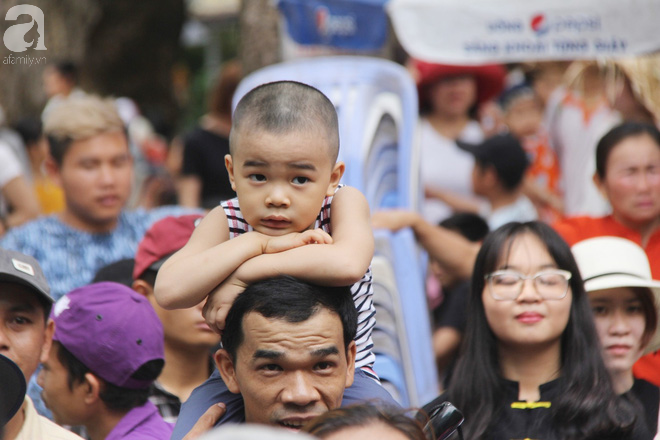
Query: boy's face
[(282, 179), (481, 179), (68, 405), (524, 116)]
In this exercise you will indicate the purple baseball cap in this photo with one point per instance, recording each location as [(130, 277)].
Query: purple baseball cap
[(111, 329)]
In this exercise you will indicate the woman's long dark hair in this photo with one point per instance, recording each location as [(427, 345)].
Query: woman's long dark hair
[(586, 407)]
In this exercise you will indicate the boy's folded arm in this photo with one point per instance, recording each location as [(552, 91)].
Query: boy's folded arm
[(208, 258), (341, 263)]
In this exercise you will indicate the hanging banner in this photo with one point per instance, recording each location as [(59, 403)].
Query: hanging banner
[(497, 31), (357, 25)]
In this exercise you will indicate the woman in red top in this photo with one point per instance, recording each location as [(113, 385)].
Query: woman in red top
[(628, 173)]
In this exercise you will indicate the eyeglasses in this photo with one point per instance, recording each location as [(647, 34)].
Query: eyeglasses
[(507, 285)]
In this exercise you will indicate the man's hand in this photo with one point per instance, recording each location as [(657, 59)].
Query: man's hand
[(220, 301), (207, 421), (296, 239)]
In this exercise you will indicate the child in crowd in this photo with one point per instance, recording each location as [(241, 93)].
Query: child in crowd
[(625, 301), (522, 114), (291, 217), (497, 175)]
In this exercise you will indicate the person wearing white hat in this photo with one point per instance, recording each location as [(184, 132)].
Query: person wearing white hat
[(625, 301)]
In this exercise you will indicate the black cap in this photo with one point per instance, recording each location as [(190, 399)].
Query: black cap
[(12, 389), (505, 154)]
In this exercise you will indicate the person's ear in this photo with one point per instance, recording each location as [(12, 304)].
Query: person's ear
[(93, 388), (490, 176), (600, 185), (52, 169), (350, 363), (48, 340), (227, 370), (335, 177), (229, 164), (143, 288)]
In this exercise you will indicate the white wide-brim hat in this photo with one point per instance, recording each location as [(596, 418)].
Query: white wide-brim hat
[(611, 262)]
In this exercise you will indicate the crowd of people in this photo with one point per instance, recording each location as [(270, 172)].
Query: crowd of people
[(250, 302)]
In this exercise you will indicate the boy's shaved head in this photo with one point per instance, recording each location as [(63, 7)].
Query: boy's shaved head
[(283, 107)]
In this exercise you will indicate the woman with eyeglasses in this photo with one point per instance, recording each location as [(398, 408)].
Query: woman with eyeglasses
[(530, 364), (625, 300)]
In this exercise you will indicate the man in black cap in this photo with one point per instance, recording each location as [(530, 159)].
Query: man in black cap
[(25, 338)]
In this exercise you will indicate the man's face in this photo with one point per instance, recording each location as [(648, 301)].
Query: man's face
[(96, 175), (288, 373), (67, 404), (25, 337)]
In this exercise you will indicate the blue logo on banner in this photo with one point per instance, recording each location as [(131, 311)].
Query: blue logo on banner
[(352, 25)]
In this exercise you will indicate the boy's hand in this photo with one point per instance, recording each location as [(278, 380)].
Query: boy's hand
[(296, 239), (219, 302)]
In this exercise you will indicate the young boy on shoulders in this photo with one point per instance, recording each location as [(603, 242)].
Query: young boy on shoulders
[(291, 216)]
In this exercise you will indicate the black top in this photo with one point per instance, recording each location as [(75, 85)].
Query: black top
[(646, 398), (520, 420), (204, 156)]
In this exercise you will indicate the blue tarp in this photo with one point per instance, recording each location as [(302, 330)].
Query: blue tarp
[(359, 25)]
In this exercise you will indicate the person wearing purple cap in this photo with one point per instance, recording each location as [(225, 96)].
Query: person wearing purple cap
[(107, 351)]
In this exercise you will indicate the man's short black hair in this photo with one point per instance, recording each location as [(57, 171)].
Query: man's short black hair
[(115, 398), (289, 299)]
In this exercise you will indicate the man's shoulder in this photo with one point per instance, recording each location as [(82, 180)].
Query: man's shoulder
[(153, 214), (32, 231), (141, 219), (38, 425), (54, 431)]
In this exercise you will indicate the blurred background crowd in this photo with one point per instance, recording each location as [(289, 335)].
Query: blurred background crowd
[(519, 140)]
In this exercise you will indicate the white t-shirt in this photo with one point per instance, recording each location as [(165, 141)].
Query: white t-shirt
[(522, 210), (9, 170), (446, 166), (38, 427), (575, 135)]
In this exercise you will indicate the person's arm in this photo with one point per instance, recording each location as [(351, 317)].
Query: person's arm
[(342, 262), (210, 257), (542, 196), (23, 201), (451, 249), (189, 190), (454, 201), (204, 262)]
